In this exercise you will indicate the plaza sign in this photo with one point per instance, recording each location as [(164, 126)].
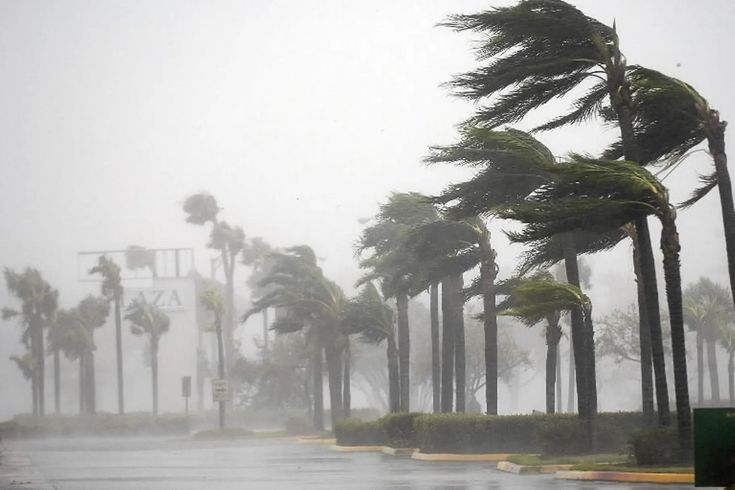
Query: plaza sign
[(164, 298)]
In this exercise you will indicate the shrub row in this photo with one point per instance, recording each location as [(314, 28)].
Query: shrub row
[(24, 426), (474, 433)]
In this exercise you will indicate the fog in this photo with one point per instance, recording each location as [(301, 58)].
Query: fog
[(300, 118)]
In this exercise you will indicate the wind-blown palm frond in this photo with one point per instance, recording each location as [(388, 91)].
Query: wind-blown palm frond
[(369, 316), (538, 50), (708, 182), (539, 297)]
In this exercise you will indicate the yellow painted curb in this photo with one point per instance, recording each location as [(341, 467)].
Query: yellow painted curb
[(627, 477), (518, 469), (357, 449), (494, 457), (398, 451), (317, 440)]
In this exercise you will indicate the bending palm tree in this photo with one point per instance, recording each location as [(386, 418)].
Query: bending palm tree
[(602, 194), (369, 316), (540, 50), (112, 289), (147, 319), (397, 268), (212, 301)]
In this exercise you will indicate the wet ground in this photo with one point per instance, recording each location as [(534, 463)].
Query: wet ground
[(262, 464)]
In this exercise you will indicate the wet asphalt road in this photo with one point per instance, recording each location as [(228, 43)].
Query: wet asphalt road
[(262, 464)]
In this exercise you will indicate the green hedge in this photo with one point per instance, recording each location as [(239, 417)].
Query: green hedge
[(358, 432), (655, 446), (550, 434), (400, 428)]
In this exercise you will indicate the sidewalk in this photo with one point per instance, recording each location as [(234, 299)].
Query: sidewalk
[(17, 472)]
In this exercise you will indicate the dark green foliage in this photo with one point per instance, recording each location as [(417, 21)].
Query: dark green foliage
[(358, 432), (655, 446), (400, 429), (550, 434)]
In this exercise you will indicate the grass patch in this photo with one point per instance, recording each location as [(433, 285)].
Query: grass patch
[(231, 433), (628, 468), (584, 459)]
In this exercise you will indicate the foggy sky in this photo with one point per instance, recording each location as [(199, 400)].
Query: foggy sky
[(299, 116)]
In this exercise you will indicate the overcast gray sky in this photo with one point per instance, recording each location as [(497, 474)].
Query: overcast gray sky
[(299, 116)]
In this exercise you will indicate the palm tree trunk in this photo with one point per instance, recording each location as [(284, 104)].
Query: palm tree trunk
[(91, 390), (220, 368), (154, 374), (334, 376), (559, 395), (229, 315), (644, 340), (620, 97), (579, 340), (714, 375), (346, 382), (318, 388), (57, 382), (435, 352), (716, 141), (265, 331), (41, 359), (731, 376), (34, 378), (404, 349), (672, 273), (393, 381), (488, 271), (118, 348), (82, 387), (570, 380), (553, 336), (700, 368), (650, 291), (447, 401), (460, 371)]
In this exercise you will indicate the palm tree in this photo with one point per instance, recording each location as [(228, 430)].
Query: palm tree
[(137, 257), (255, 255), (707, 308), (369, 316), (540, 50), (540, 298), (727, 338), (26, 365), (202, 208), (392, 262), (602, 194), (39, 302), (74, 335), (313, 303), (112, 290), (211, 299), (448, 249), (149, 320), (511, 166)]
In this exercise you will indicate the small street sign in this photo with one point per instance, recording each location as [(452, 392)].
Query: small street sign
[(186, 386), (220, 390)]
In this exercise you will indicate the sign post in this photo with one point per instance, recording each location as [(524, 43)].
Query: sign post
[(186, 392), (221, 393)]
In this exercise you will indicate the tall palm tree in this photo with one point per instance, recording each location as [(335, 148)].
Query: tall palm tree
[(540, 50), (727, 338), (201, 209), (149, 320), (39, 302), (112, 289), (392, 262), (707, 308), (26, 365), (601, 194), (449, 248), (313, 303), (511, 165), (211, 299), (369, 316), (540, 298), (255, 255)]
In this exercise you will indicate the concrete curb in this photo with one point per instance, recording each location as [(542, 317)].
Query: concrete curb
[(492, 457), (398, 451), (518, 469), (356, 449), (317, 440), (17, 471), (628, 477)]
